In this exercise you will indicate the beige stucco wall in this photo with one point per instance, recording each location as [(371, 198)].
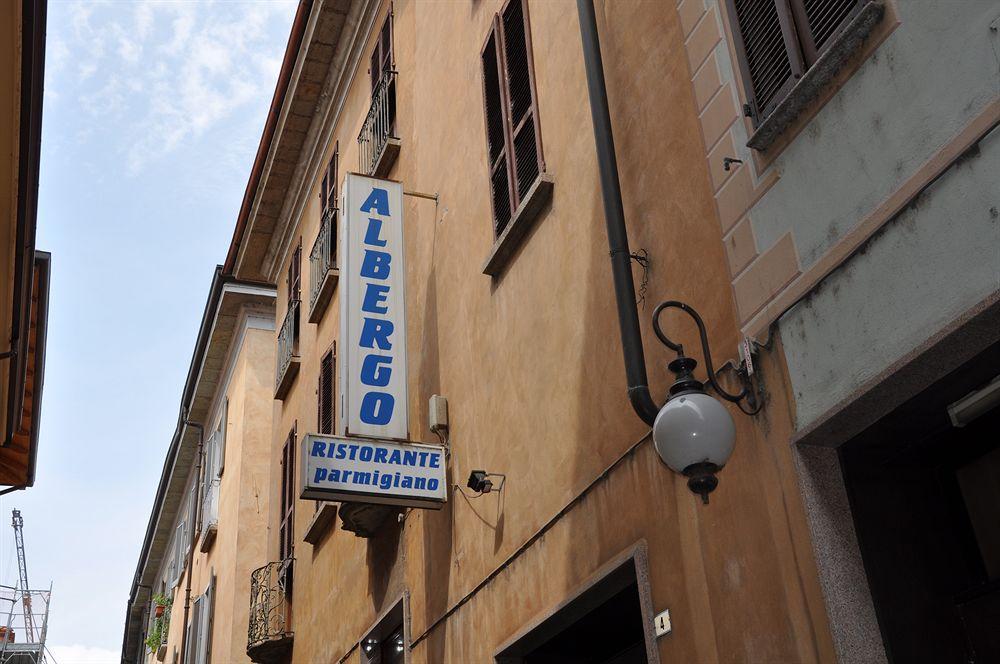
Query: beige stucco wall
[(240, 544), (531, 363)]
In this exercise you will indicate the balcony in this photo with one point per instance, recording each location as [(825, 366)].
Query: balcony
[(288, 351), (209, 514), (377, 142), (269, 638), (323, 272)]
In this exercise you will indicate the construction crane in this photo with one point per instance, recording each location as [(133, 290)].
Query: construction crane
[(22, 568)]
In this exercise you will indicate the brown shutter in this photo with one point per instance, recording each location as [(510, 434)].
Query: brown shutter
[(328, 189), (286, 531), (522, 109), (496, 133), (819, 21), (768, 51), (512, 131), (382, 56), (295, 275), (325, 394)]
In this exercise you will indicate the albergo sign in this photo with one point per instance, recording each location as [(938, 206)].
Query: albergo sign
[(372, 313)]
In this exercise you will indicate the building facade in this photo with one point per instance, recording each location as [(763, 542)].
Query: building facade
[(771, 178), (189, 598)]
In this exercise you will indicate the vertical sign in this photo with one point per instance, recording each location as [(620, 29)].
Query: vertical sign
[(372, 314)]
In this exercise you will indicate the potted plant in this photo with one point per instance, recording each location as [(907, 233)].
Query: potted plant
[(157, 636), (161, 602)]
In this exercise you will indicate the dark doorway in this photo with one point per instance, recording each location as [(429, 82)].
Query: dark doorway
[(925, 496), (603, 625)]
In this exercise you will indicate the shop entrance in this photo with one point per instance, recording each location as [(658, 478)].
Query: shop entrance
[(602, 625), (925, 496)]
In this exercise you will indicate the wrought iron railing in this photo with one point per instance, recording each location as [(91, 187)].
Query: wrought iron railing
[(380, 125), (288, 339), (269, 586), (323, 256)]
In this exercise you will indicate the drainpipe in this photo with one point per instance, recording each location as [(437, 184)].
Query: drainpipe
[(614, 215), (194, 531)]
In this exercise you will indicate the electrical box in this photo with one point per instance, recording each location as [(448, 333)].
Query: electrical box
[(438, 413)]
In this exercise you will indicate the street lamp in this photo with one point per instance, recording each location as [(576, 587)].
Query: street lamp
[(693, 433)]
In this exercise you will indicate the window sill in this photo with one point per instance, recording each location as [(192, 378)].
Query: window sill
[(524, 217), (811, 85), (321, 524)]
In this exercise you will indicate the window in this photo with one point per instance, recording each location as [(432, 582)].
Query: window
[(382, 57), (328, 189), (200, 645), (512, 133), (386, 643), (325, 391), (286, 532), (778, 40)]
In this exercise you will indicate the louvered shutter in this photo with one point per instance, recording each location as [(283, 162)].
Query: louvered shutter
[(522, 112), (496, 134), (287, 527), (295, 276), (224, 430), (512, 131), (325, 394), (819, 21), (768, 51), (191, 638), (203, 623)]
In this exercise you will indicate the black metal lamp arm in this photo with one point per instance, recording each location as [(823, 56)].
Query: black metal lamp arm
[(745, 393)]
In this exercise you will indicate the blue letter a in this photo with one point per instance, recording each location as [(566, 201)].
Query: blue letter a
[(378, 200)]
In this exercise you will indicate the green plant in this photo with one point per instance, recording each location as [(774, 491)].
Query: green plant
[(158, 631)]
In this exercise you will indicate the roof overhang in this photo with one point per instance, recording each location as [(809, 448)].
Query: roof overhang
[(323, 37)]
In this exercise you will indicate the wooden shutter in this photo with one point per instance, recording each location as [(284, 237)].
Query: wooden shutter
[(382, 56), (819, 21), (295, 275), (325, 393), (328, 189), (287, 528), (224, 431), (768, 51), (512, 131)]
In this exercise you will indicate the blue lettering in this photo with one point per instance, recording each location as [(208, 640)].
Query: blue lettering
[(378, 200), (375, 295), (385, 482), (432, 484), (409, 458), (376, 332), (423, 458), (380, 455), (421, 483), (365, 454), (407, 482), (374, 232), (319, 448), (352, 451), (341, 451), (435, 461), (376, 408), (395, 458), (375, 264), (320, 475), (372, 371)]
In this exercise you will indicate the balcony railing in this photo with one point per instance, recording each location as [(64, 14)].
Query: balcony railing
[(378, 144), (288, 351), (269, 636), (323, 273)]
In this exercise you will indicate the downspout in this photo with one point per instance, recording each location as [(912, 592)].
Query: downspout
[(614, 215), (194, 532)]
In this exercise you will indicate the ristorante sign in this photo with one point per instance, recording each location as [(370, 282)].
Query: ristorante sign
[(371, 471), (372, 314)]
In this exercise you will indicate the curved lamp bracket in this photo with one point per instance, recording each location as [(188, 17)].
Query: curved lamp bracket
[(745, 393)]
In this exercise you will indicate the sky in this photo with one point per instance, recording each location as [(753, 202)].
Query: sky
[(152, 115)]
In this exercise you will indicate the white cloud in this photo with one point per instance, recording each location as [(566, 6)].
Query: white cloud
[(77, 654)]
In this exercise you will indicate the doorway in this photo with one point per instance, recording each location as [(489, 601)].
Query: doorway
[(603, 624), (925, 498)]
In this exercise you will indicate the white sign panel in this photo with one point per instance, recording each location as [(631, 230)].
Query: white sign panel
[(372, 313), (373, 471)]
